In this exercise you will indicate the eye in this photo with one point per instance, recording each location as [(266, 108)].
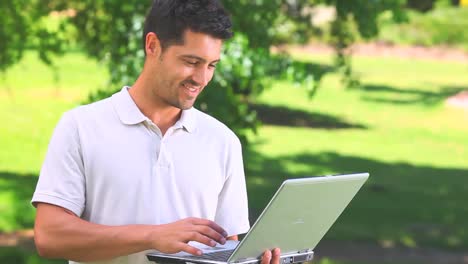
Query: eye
[(191, 62), (212, 66)]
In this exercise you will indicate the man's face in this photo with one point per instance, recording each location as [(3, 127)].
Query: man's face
[(183, 70)]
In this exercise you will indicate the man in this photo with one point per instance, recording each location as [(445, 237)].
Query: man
[(143, 169)]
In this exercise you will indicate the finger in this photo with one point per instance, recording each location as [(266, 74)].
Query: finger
[(212, 225), (211, 233), (266, 258), (275, 256), (195, 236), (189, 249)]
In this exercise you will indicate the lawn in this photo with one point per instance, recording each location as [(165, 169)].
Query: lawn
[(396, 126), (31, 102)]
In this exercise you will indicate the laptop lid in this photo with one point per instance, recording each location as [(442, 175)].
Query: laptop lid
[(299, 214), (295, 220)]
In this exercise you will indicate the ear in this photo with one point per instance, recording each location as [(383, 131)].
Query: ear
[(152, 45)]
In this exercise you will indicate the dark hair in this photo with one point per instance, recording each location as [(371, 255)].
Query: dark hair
[(169, 19)]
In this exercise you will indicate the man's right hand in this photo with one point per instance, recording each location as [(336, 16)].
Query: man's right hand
[(174, 237), (59, 233)]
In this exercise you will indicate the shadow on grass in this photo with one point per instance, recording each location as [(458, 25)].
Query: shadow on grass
[(407, 96), (15, 255), (16, 191), (283, 116), (401, 204)]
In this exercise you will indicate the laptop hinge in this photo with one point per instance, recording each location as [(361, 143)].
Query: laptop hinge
[(305, 250), (244, 260), (300, 256)]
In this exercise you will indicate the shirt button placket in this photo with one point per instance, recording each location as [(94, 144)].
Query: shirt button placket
[(163, 161), (155, 132), (156, 168)]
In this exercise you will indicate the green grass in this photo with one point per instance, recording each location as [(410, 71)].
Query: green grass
[(414, 146), (31, 102), (24, 256), (396, 126)]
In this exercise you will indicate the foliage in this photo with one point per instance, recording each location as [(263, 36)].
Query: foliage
[(420, 5), (427, 5), (357, 17), (440, 26), (11, 46), (110, 31), (246, 72), (269, 22), (246, 68), (23, 27)]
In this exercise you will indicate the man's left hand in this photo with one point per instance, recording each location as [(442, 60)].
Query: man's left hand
[(271, 257)]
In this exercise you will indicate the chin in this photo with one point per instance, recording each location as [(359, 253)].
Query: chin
[(186, 103), (185, 106)]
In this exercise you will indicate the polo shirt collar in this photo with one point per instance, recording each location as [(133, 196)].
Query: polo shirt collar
[(130, 114), (126, 108), (187, 120)]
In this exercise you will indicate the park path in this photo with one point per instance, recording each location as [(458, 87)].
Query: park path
[(377, 49)]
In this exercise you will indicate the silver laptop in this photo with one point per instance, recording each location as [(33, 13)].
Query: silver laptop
[(295, 220)]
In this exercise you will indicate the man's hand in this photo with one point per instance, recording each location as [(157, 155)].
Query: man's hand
[(173, 237), (59, 233), (271, 257)]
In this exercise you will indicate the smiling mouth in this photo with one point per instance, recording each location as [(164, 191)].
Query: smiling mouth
[(190, 88), (192, 91)]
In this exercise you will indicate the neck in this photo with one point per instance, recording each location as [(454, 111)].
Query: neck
[(159, 112)]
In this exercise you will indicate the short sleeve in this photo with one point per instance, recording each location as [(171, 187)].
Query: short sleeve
[(232, 210), (61, 180)]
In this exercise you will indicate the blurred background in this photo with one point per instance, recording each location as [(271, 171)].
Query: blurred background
[(311, 87)]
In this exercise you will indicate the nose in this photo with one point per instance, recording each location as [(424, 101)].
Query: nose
[(202, 76)]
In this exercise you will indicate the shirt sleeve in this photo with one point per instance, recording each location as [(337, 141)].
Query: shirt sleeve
[(232, 210), (61, 180)]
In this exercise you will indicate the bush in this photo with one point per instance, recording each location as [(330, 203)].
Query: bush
[(441, 26)]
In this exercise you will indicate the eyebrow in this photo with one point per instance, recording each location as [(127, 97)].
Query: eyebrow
[(189, 56)]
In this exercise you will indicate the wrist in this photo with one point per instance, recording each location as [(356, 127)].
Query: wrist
[(149, 235)]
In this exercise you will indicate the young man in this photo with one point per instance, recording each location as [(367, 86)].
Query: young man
[(143, 169)]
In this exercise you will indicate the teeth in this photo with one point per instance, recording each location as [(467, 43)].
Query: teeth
[(190, 88)]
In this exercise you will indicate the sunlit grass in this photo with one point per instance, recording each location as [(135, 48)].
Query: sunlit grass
[(414, 146), (412, 143), (32, 100)]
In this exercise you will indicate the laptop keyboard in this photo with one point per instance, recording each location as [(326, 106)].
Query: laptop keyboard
[(222, 255)]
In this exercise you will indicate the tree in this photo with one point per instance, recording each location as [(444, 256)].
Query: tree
[(110, 31), (23, 28), (362, 15)]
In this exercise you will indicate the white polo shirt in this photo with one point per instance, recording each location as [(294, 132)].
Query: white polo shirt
[(109, 164)]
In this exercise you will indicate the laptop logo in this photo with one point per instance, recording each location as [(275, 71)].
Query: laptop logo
[(298, 222)]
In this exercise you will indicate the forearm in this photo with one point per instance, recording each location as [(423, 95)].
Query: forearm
[(61, 234), (70, 237)]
